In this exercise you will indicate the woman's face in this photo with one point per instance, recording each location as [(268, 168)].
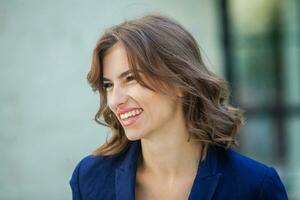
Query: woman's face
[(142, 112)]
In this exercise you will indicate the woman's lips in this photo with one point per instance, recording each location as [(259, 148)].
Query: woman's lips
[(131, 120)]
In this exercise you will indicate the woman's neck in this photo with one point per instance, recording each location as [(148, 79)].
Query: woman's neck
[(170, 155)]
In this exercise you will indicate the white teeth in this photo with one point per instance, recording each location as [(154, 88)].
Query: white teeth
[(130, 114)]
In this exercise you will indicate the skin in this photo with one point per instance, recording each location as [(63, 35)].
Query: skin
[(167, 158)]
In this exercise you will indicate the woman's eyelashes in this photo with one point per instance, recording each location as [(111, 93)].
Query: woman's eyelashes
[(130, 78), (107, 85)]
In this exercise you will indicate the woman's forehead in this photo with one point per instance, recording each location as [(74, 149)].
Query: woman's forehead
[(115, 61)]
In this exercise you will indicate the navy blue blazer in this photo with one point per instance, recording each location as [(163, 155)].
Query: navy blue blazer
[(224, 174)]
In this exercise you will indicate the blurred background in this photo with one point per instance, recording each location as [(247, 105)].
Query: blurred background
[(47, 106)]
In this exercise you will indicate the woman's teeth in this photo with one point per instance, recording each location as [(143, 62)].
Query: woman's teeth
[(130, 114)]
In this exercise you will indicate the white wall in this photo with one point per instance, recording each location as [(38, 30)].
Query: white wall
[(46, 105)]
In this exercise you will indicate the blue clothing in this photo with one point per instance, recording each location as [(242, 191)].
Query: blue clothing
[(224, 174)]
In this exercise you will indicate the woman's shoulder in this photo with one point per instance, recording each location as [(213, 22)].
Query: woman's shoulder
[(250, 175), (93, 172), (98, 162), (246, 164), (232, 161), (92, 165)]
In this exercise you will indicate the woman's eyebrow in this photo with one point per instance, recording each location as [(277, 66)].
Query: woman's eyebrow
[(123, 74)]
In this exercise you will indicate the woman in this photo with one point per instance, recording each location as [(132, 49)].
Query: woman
[(172, 131)]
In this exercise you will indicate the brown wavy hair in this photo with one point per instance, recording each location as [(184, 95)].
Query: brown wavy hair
[(168, 55)]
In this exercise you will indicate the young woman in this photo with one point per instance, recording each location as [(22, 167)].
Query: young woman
[(172, 131)]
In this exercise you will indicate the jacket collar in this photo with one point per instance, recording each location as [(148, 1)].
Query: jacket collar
[(207, 177), (203, 187), (126, 173)]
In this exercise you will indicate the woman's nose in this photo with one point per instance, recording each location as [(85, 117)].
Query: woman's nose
[(118, 97)]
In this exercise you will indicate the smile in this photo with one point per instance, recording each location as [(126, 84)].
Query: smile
[(127, 115)]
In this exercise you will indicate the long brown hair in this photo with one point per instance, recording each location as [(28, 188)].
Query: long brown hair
[(168, 55)]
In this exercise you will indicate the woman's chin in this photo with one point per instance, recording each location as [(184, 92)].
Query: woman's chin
[(133, 136)]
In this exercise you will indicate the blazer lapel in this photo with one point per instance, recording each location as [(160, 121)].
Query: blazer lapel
[(126, 173), (207, 177), (203, 188)]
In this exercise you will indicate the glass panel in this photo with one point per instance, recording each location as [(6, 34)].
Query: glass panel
[(266, 36), (291, 45), (255, 74), (256, 48), (258, 138), (292, 173)]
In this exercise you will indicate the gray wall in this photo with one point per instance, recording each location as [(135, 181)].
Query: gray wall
[(46, 105)]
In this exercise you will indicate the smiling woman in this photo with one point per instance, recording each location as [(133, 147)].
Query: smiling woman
[(142, 112), (172, 131)]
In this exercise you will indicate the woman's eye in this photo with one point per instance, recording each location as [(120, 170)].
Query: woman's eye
[(107, 85), (130, 78)]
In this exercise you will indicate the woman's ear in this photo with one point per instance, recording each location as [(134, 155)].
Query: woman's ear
[(178, 92)]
